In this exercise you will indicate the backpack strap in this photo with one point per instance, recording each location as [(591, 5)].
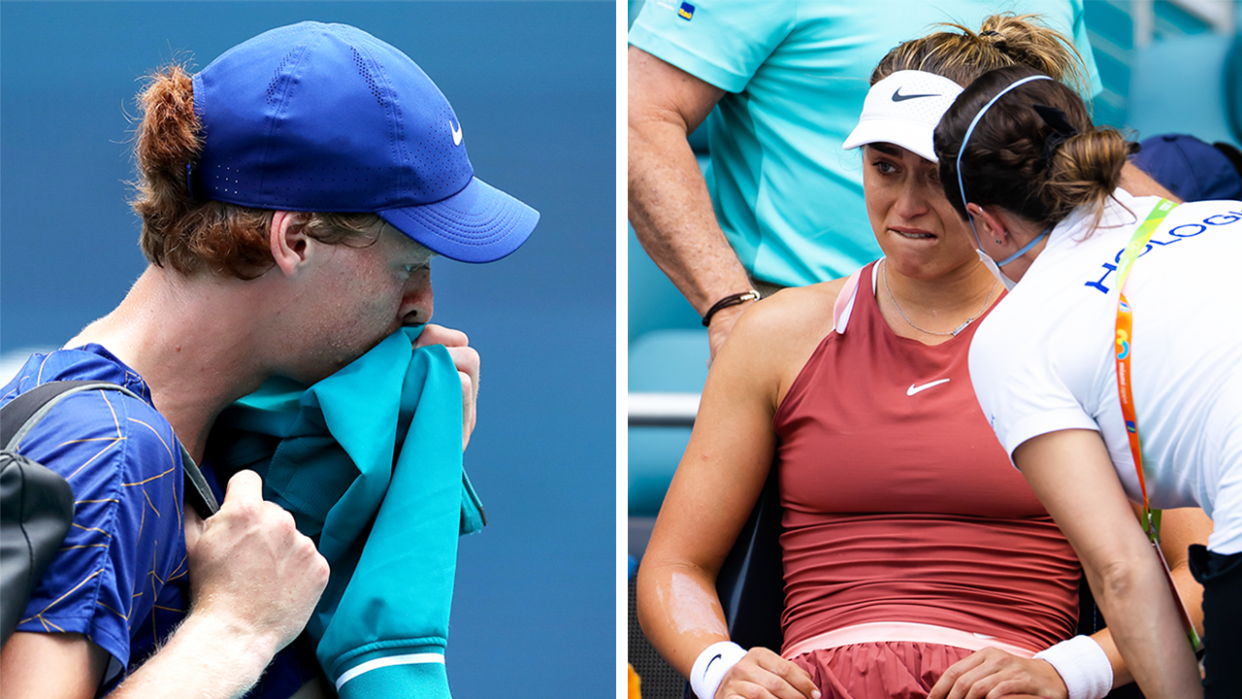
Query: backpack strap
[(20, 416), (197, 492)]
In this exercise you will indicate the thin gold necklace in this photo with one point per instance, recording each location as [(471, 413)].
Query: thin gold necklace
[(987, 302)]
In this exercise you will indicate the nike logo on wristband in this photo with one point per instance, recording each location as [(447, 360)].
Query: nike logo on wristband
[(709, 663), (898, 97), (914, 388)]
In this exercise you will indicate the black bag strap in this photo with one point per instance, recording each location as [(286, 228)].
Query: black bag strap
[(21, 414)]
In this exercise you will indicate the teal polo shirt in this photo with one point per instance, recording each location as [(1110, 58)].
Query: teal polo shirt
[(795, 73)]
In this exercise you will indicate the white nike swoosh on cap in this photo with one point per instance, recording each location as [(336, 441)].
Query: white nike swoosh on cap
[(914, 388), (456, 129)]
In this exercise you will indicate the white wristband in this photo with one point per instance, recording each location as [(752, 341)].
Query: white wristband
[(711, 665), (1083, 666)]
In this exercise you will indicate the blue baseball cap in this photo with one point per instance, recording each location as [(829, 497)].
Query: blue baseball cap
[(327, 118), (1190, 168)]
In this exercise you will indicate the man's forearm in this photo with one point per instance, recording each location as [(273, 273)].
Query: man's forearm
[(673, 217), (1140, 184), (205, 658)]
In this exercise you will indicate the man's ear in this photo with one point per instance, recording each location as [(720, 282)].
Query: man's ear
[(289, 242)]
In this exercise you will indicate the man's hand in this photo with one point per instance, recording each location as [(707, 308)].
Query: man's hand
[(466, 360), (993, 673), (254, 581), (762, 674), (251, 568), (722, 324)]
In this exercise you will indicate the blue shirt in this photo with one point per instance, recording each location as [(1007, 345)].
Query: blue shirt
[(120, 578)]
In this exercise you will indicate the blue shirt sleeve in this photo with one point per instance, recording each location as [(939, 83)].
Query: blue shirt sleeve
[(126, 542)]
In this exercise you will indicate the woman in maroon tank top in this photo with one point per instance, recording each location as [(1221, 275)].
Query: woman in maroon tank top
[(916, 559)]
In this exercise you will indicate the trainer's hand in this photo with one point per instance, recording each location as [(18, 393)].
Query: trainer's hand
[(762, 674), (251, 568), (993, 673), (466, 360), (722, 324)]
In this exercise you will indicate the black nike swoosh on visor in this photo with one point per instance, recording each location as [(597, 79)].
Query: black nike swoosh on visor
[(898, 97)]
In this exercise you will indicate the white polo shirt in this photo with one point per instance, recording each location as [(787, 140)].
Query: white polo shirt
[(1043, 360)]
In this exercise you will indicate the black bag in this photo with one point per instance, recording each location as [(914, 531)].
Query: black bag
[(36, 509), (36, 504)]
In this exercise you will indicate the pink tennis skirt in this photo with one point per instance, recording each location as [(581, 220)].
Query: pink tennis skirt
[(883, 670)]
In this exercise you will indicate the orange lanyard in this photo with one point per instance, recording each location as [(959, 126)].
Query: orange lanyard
[(1125, 326), (1125, 349)]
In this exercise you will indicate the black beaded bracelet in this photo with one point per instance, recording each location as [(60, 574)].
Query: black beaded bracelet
[(730, 300)]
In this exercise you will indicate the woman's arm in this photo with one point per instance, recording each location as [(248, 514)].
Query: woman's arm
[(713, 491), (993, 672), (1178, 530), (1073, 476)]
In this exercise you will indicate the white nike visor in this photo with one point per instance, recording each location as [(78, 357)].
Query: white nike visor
[(904, 109)]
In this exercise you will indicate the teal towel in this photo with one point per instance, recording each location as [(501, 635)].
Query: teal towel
[(369, 463)]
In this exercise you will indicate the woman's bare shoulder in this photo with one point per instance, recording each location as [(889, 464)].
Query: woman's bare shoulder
[(789, 321), (797, 307)]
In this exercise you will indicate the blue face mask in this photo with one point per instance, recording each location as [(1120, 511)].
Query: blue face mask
[(994, 266)]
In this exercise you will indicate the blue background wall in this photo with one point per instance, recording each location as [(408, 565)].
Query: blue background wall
[(534, 87)]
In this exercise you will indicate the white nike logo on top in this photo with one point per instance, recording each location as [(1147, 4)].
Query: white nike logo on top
[(916, 388), (456, 129)]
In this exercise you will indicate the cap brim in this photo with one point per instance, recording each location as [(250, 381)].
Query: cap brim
[(914, 137), (478, 224)]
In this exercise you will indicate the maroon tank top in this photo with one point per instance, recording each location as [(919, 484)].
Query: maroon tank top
[(899, 503)]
